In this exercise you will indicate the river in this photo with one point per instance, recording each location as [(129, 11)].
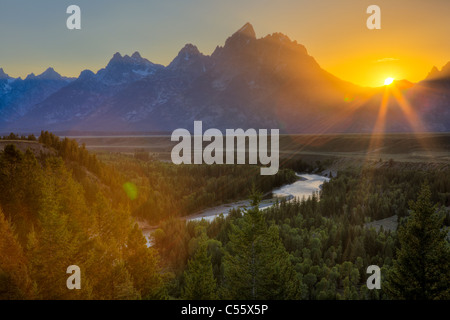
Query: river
[(304, 187)]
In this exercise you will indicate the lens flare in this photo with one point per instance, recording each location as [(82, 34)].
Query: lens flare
[(131, 190)]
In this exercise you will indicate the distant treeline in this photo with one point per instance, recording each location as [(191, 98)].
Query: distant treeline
[(378, 193), (13, 136)]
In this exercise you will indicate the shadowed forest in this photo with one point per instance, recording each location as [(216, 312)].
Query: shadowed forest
[(62, 205)]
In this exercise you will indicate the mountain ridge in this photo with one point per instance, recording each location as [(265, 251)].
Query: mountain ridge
[(248, 82)]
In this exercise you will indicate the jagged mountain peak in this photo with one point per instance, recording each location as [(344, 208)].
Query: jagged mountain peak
[(3, 75), (242, 37), (278, 36), (189, 49), (136, 55), (49, 74), (247, 31), (126, 69), (116, 56), (86, 74), (280, 39), (187, 56), (30, 76), (135, 58), (436, 74), (446, 70)]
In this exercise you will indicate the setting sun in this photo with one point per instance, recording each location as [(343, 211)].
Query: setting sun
[(388, 81)]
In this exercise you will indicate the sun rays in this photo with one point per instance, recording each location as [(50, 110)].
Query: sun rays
[(395, 103), (409, 112)]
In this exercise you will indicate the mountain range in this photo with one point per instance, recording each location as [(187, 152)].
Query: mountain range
[(270, 82)]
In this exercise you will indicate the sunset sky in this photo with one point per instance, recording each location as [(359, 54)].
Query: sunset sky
[(414, 35)]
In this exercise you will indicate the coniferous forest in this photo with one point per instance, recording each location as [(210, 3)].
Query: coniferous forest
[(61, 205)]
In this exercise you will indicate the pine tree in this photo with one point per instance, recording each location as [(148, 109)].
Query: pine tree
[(10, 190), (199, 277), (55, 247), (15, 282), (122, 284), (422, 268), (256, 265), (143, 265)]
